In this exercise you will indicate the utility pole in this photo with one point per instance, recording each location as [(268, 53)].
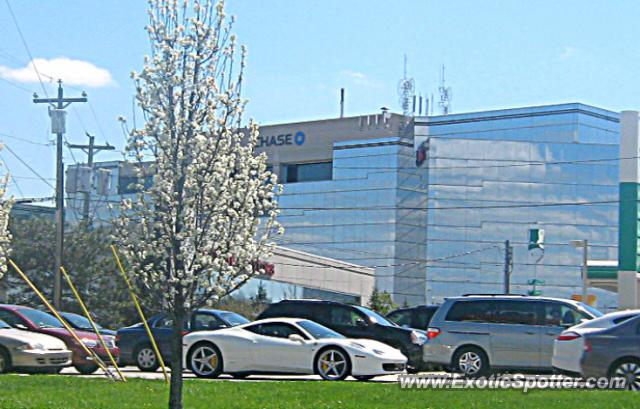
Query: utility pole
[(57, 115), (89, 150), (508, 266)]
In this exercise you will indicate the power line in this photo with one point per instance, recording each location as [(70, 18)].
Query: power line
[(26, 47), (15, 182), (29, 167), (25, 140), (510, 206), (523, 163)]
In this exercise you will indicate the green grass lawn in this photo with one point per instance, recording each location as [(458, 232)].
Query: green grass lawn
[(61, 392)]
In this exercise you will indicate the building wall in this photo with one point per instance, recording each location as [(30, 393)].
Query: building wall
[(415, 224), (494, 159)]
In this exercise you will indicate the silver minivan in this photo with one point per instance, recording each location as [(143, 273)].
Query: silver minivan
[(473, 334)]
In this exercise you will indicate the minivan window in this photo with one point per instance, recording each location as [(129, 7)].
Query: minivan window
[(514, 312), (470, 311), (557, 314)]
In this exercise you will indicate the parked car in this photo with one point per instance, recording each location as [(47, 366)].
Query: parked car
[(413, 317), (80, 322), (354, 321), (288, 345), (472, 334), (24, 350), (136, 348), (569, 346), (614, 352), (30, 319)]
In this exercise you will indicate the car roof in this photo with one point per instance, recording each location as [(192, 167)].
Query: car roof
[(14, 307), (517, 297), (269, 320)]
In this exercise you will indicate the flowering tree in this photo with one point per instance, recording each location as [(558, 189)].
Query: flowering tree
[(5, 236), (205, 208)]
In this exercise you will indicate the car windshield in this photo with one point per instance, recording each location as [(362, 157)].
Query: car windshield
[(40, 319), (232, 318), (375, 317), (4, 325), (318, 331), (593, 311), (78, 321)]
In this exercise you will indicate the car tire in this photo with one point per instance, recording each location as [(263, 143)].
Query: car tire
[(146, 359), (628, 368), (471, 362), (364, 378), (332, 364), (205, 360), (5, 361), (86, 369)]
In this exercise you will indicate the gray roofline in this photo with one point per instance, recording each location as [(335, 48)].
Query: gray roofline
[(520, 112)]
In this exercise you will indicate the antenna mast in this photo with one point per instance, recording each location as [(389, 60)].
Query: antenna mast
[(445, 95), (406, 92)]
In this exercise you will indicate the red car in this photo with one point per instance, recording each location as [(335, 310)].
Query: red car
[(34, 320)]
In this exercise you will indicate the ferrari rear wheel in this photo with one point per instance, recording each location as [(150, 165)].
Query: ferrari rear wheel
[(333, 364), (205, 360)]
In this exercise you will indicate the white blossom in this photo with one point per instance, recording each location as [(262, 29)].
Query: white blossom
[(193, 235)]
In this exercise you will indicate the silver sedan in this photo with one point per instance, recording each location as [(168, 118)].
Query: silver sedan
[(24, 350)]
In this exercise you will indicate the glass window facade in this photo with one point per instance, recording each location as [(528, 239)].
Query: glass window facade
[(493, 176), (307, 172)]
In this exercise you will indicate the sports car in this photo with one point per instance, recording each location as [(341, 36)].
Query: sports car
[(288, 346)]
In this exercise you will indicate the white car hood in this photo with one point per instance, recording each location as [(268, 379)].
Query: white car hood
[(19, 335)]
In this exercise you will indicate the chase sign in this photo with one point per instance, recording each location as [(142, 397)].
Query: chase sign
[(280, 140)]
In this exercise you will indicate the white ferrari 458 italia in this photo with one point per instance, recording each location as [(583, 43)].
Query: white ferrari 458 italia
[(288, 346)]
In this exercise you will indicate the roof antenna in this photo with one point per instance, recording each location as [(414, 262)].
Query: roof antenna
[(406, 90), (341, 102), (445, 95)]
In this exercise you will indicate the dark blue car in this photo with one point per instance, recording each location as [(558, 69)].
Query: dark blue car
[(135, 346)]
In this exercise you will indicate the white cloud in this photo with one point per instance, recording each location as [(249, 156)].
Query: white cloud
[(72, 72), (360, 78)]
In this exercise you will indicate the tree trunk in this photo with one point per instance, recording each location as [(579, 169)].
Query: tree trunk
[(175, 390)]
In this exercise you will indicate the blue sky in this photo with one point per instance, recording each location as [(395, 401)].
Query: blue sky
[(497, 54)]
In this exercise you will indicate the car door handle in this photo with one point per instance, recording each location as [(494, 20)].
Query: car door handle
[(530, 332)]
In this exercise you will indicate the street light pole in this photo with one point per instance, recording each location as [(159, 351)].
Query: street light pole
[(585, 268)]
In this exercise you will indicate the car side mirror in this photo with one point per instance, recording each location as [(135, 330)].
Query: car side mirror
[(296, 338), (567, 324), (361, 323), (21, 326)]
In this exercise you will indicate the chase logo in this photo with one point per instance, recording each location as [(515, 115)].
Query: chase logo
[(281, 140), (299, 138)]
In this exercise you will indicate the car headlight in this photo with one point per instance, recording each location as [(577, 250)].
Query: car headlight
[(378, 352), (33, 346), (90, 343), (418, 338)]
